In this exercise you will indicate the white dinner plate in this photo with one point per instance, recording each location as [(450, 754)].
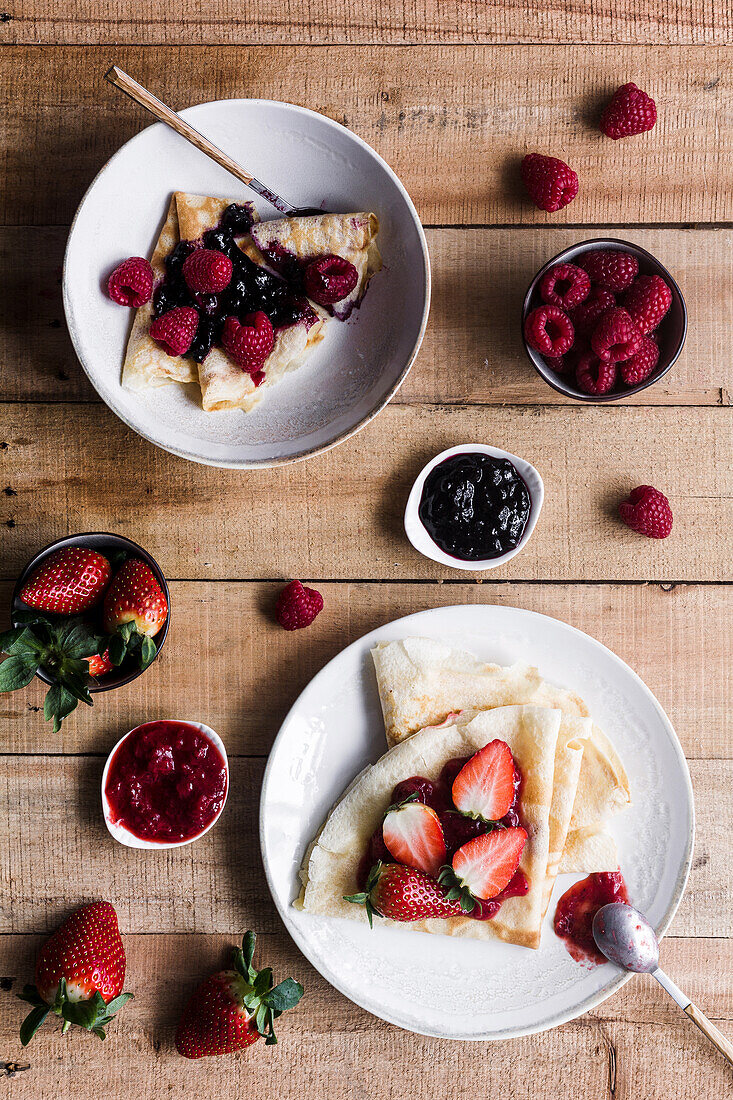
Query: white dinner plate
[(453, 988), (311, 161)]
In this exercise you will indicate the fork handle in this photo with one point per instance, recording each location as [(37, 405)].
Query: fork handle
[(164, 114)]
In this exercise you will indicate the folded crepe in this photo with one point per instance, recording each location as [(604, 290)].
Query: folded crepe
[(330, 868), (289, 244), (422, 680)]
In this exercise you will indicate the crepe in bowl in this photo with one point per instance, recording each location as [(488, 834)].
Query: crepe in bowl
[(331, 867)]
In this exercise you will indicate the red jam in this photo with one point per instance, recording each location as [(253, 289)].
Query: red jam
[(577, 908), (457, 829), (166, 782)]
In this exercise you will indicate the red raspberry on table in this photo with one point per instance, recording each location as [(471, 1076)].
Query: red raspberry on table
[(647, 302), (629, 111), (131, 283), (175, 330), (647, 511), (207, 271), (550, 183), (549, 331), (586, 316), (297, 606), (250, 342), (330, 279), (565, 285), (610, 267), (615, 337), (642, 362), (595, 375)]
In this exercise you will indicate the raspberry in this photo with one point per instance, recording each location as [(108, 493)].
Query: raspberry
[(175, 330), (297, 606), (647, 511), (647, 302), (586, 316), (549, 331), (629, 111), (207, 271), (131, 284), (565, 285), (610, 267), (551, 184), (642, 362), (615, 337), (250, 342), (330, 279), (558, 363), (595, 375)]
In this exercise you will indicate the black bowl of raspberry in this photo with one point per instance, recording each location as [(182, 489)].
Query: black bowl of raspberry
[(554, 296)]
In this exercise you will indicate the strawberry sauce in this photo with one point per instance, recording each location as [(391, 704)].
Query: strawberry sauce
[(457, 829), (577, 908), (166, 782)]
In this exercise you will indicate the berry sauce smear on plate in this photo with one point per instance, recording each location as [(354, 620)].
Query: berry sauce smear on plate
[(577, 908), (167, 782), (474, 506)]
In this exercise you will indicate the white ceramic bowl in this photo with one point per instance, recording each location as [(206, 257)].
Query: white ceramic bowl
[(123, 835), (311, 161), (421, 540)]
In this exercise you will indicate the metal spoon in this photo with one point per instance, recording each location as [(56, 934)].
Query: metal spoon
[(164, 114), (626, 937)]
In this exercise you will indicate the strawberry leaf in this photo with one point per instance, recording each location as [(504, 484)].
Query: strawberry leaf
[(17, 672), (148, 651), (80, 642), (32, 1022), (19, 640), (117, 650), (285, 995), (57, 705)]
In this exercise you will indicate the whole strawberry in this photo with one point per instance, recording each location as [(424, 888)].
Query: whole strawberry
[(135, 610), (404, 894), (647, 511), (68, 581), (330, 279), (297, 606), (629, 111), (79, 974), (250, 341), (550, 183), (233, 1008)]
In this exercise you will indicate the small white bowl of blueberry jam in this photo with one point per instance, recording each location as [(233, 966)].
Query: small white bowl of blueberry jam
[(474, 507)]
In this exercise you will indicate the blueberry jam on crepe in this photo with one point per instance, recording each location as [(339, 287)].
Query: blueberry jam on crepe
[(475, 507)]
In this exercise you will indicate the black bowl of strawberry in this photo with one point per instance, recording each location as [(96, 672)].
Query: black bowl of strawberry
[(603, 320), (90, 613)]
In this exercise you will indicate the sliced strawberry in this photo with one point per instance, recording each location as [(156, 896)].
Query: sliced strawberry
[(484, 787), (413, 835), (485, 866)]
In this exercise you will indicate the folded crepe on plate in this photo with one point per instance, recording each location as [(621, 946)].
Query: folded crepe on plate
[(331, 866), (289, 244), (422, 680)]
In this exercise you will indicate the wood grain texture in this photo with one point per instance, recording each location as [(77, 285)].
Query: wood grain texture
[(58, 848), (678, 641), (631, 1046), (66, 466), (256, 21), (479, 280), (453, 121)]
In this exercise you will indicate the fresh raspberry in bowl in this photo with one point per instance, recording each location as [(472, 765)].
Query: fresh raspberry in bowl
[(632, 316)]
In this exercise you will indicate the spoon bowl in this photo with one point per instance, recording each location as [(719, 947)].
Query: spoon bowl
[(626, 937)]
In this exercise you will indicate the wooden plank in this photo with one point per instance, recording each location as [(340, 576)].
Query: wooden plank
[(257, 21), (479, 279), (634, 1042), (453, 121), (325, 519), (678, 641), (58, 847)]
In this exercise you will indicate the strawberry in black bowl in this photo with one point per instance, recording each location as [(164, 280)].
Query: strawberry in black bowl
[(89, 613)]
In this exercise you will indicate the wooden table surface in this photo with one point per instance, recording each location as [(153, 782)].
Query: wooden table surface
[(452, 93)]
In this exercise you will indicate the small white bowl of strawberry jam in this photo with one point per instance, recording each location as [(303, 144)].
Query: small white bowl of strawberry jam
[(165, 784)]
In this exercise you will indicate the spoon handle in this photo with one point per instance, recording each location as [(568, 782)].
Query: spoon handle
[(716, 1037)]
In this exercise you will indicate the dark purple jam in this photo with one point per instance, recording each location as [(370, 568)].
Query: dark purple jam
[(251, 289), (475, 506)]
